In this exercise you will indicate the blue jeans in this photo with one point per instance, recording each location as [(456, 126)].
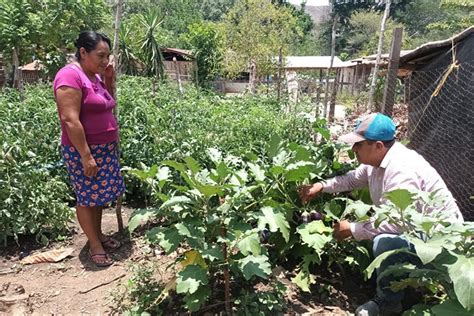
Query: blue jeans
[(387, 242)]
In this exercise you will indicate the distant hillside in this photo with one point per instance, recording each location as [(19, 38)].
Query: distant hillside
[(319, 10)]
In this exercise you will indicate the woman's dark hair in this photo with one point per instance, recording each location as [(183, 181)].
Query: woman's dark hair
[(89, 40)]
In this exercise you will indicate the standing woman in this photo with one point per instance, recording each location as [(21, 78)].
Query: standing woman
[(89, 137)]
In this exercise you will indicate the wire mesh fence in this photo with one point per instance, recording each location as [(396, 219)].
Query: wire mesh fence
[(441, 125)]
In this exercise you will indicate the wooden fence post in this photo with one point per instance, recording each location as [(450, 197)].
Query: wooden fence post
[(178, 76), (390, 84), (332, 104), (280, 65), (2, 72)]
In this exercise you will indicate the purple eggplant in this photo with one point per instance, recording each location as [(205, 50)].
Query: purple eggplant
[(304, 218), (316, 216), (264, 236)]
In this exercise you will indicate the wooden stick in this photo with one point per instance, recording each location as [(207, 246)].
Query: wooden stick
[(102, 284), (118, 18)]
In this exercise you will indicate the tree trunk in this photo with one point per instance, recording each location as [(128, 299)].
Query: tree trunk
[(332, 105), (116, 64), (280, 62), (16, 71), (379, 52), (253, 76), (333, 52), (115, 49), (391, 82)]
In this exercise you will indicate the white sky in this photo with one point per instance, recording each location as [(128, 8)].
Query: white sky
[(310, 2)]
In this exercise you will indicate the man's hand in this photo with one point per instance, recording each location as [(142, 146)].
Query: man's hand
[(342, 230), (309, 192)]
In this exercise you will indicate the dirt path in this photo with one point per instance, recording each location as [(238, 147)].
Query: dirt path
[(55, 288)]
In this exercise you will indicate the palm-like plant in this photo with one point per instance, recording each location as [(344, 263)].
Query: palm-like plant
[(151, 50), (128, 61)]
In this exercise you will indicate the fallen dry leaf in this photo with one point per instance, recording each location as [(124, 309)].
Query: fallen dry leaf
[(55, 255)]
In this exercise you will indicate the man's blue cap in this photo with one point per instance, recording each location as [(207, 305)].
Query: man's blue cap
[(375, 126)]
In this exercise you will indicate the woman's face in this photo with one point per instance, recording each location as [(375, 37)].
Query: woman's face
[(97, 59)]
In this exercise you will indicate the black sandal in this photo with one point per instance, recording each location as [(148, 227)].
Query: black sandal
[(100, 263)]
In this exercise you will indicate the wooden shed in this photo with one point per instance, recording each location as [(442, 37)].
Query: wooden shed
[(179, 63), (30, 73)]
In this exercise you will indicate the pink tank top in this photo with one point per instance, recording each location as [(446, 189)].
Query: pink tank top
[(96, 116)]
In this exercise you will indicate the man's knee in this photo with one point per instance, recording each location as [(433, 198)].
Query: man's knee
[(387, 242)]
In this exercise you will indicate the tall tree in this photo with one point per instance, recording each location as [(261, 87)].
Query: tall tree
[(364, 33), (255, 30), (215, 10), (206, 41)]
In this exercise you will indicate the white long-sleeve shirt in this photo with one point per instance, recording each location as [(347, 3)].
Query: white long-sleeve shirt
[(401, 168)]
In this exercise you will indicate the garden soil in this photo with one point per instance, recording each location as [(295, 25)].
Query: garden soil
[(75, 286)]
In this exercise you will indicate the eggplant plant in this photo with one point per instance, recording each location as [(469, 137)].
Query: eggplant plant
[(445, 250), (215, 216)]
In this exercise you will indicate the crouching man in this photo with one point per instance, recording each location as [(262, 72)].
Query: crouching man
[(385, 165)]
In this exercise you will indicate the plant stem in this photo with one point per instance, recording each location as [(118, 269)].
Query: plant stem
[(226, 274)]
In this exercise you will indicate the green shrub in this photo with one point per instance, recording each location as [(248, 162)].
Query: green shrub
[(33, 193), (156, 124)]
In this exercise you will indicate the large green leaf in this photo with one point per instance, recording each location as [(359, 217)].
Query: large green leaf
[(462, 274), (192, 164), (213, 253), (324, 132), (429, 250), (194, 301), (168, 238), (175, 200), (450, 307), (257, 171), (276, 221), (401, 198), (377, 261), (315, 234), (209, 190), (140, 217), (190, 278), (303, 280), (273, 146), (359, 208), (255, 265), (144, 174), (298, 171), (250, 244)]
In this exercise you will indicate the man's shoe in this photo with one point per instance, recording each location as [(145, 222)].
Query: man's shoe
[(378, 307)]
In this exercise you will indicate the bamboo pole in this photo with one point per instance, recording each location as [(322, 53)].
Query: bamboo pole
[(379, 53), (115, 51), (390, 84), (333, 52)]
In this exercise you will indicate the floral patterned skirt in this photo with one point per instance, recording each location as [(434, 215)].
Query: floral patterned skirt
[(106, 186)]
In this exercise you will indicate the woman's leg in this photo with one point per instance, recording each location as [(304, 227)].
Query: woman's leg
[(87, 219), (107, 241), (98, 221)]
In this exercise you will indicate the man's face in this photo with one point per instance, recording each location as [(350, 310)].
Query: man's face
[(366, 152)]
